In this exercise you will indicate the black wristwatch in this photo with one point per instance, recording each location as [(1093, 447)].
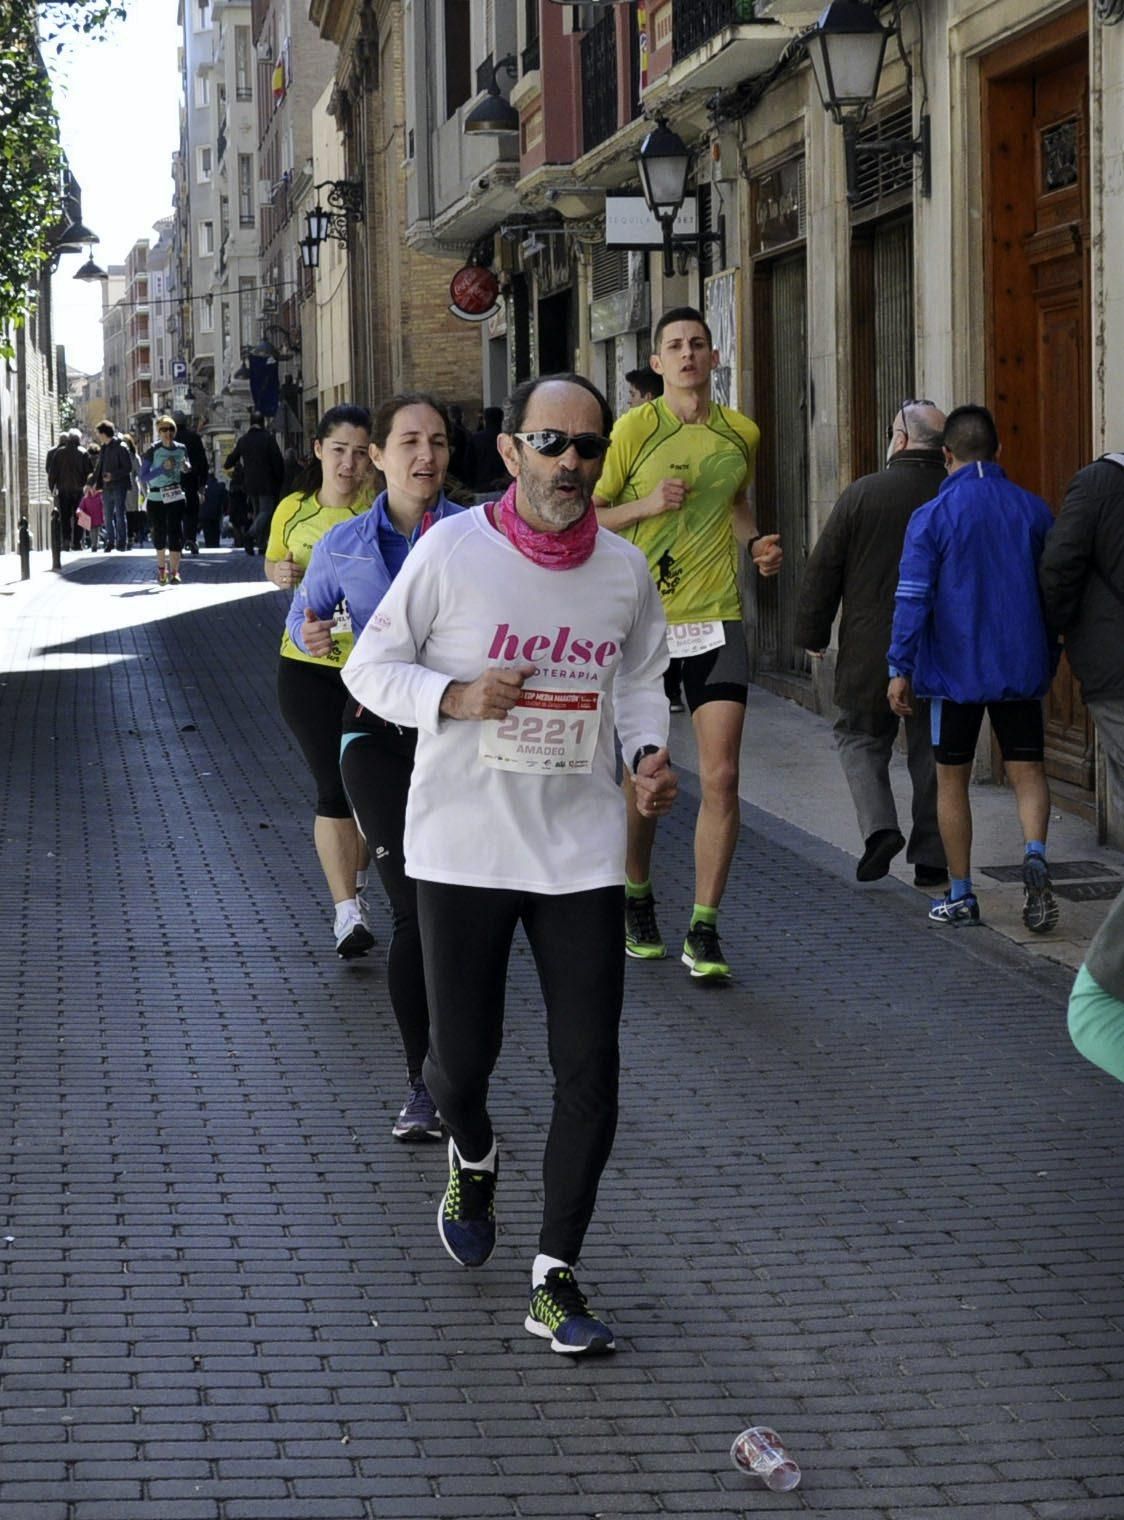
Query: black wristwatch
[(645, 749)]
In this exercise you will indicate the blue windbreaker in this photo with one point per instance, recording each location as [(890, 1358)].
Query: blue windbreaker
[(347, 569), (968, 619)]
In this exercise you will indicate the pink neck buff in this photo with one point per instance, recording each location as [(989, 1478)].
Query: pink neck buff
[(553, 551)]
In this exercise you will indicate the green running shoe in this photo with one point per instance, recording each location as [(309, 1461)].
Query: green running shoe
[(703, 953), (560, 1314), (642, 937)]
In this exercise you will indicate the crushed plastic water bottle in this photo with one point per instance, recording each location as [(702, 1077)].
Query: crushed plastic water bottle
[(761, 1453)]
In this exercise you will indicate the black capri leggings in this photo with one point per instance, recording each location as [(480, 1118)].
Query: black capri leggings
[(165, 520), (312, 699), (376, 765), (579, 953)]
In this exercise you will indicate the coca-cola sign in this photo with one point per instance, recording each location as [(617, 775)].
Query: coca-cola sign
[(474, 293)]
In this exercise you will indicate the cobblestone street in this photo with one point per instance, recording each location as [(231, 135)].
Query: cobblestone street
[(869, 1194)]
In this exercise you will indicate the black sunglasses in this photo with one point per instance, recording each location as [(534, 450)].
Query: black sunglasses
[(551, 443)]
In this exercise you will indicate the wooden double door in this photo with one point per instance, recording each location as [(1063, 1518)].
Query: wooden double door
[(1036, 207)]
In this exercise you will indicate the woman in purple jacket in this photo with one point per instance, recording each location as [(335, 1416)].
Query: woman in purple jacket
[(349, 573)]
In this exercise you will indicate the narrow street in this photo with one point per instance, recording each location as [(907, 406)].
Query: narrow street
[(868, 1195)]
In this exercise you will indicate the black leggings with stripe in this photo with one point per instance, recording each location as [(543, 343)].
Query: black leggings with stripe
[(376, 764), (576, 940)]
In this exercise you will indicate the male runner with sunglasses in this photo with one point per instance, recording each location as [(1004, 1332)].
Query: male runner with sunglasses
[(675, 483), (517, 639)]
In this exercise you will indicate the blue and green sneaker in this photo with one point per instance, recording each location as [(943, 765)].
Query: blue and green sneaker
[(466, 1216), (560, 1314)]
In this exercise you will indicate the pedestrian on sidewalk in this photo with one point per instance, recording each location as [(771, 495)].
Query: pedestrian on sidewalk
[(113, 474), (1082, 579), (350, 571), (643, 385), (195, 482), (67, 475), (212, 509), (163, 468), (89, 516), (675, 483), (969, 634), (263, 470), (517, 639), (134, 515), (310, 691), (855, 561)]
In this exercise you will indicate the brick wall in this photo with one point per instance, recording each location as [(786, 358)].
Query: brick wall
[(414, 342)]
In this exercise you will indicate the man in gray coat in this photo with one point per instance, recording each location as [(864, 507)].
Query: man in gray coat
[(1081, 573), (855, 561)]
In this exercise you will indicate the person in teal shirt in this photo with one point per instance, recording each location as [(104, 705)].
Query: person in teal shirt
[(1096, 1004), (162, 471)]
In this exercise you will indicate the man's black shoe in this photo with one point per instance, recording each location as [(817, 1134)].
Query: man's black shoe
[(881, 848), (930, 877)]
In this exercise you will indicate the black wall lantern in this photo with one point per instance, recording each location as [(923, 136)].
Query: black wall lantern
[(345, 205), (664, 161), (847, 47)]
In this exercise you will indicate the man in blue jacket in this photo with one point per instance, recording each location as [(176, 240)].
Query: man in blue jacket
[(969, 634)]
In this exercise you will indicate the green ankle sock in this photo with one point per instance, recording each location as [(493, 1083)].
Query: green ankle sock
[(637, 888), (701, 915)]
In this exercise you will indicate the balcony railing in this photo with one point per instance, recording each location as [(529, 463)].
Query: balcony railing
[(600, 116), (693, 25)]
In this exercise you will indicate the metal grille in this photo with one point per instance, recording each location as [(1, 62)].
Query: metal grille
[(610, 270), (599, 82), (883, 180), (893, 317), (697, 22)]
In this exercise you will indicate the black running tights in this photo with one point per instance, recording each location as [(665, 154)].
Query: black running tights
[(376, 770), (576, 941)]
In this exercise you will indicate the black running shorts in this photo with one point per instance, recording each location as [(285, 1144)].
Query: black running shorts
[(719, 675), (956, 728)]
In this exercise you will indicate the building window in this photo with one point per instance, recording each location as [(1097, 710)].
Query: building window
[(247, 309), (243, 64), (245, 189), (207, 314), (458, 54), (203, 160), (202, 91), (206, 239)]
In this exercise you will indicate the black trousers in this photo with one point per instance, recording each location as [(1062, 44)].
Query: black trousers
[(376, 766), (190, 510), (576, 941)]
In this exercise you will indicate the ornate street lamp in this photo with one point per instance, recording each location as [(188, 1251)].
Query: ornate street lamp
[(345, 205), (664, 162), (847, 47), (494, 115)]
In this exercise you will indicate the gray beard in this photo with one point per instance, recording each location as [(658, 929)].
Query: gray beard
[(557, 512)]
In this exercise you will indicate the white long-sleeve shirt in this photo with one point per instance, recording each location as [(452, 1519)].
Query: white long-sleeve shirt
[(467, 600)]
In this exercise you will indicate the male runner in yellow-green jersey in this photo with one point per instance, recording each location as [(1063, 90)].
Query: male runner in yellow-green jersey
[(675, 482)]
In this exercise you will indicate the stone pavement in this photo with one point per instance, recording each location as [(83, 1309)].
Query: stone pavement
[(868, 1194)]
